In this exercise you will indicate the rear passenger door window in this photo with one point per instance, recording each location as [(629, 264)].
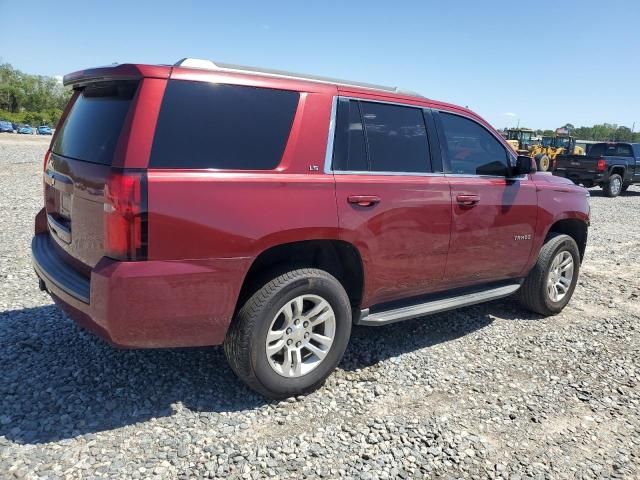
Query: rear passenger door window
[(471, 149), (350, 153), (396, 137), (380, 137)]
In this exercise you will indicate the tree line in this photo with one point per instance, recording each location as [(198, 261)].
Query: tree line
[(32, 99), (38, 99), (605, 132)]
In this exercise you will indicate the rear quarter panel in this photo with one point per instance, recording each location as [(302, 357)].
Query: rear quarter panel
[(219, 221), (197, 214)]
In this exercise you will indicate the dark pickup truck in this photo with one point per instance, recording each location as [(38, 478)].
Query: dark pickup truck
[(612, 166)]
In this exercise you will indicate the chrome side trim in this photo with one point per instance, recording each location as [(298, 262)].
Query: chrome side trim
[(328, 156), (371, 100), (403, 174), (332, 127), (331, 139), (436, 306), (470, 175)]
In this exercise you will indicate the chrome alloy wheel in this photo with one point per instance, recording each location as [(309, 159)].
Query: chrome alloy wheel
[(300, 336), (616, 186), (560, 276)]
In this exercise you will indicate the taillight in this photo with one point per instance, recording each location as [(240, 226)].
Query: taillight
[(46, 160), (125, 215), (602, 165)]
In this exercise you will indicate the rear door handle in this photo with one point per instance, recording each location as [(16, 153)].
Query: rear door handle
[(468, 200), (363, 200)]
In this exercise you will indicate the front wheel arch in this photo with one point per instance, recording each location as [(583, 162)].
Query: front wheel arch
[(574, 227)]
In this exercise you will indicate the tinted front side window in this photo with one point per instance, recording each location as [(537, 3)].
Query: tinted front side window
[(396, 137), (93, 125), (209, 125), (471, 149)]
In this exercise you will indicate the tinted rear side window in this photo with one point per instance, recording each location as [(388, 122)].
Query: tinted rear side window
[(350, 152), (92, 128), (209, 125), (394, 138), (397, 138)]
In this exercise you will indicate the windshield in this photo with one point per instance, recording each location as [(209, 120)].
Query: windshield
[(562, 142), (547, 141), (519, 135)]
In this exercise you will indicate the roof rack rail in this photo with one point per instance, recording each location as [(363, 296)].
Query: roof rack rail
[(209, 65)]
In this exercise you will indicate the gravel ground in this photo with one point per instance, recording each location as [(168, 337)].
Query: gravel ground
[(487, 391)]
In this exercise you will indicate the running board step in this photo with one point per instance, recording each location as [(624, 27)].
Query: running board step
[(435, 306)]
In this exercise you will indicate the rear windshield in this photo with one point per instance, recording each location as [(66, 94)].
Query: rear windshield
[(210, 125), (611, 150), (92, 128)]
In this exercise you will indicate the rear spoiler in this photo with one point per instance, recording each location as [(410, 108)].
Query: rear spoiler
[(122, 71)]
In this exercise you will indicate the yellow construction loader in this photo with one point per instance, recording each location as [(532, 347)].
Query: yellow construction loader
[(546, 152), (520, 139)]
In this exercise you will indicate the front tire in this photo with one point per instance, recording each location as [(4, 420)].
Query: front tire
[(291, 334), (550, 284), (613, 187), (543, 162)]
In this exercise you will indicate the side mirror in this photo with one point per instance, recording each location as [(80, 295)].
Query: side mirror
[(524, 165)]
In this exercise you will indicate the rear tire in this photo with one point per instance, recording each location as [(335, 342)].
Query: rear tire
[(613, 187), (537, 291), (279, 345)]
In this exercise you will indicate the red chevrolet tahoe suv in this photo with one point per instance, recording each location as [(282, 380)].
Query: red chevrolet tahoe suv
[(204, 204)]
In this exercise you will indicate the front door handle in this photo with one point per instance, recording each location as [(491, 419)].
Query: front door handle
[(363, 200), (468, 200)]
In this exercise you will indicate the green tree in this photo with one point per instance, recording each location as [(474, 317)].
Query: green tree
[(30, 98), (623, 134)]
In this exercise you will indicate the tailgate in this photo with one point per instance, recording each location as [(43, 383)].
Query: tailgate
[(79, 167), (577, 163)]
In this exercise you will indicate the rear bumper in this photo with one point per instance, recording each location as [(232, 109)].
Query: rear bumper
[(149, 304), (581, 177)]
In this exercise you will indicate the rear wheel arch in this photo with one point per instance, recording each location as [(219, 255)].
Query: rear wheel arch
[(336, 257), (620, 170)]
